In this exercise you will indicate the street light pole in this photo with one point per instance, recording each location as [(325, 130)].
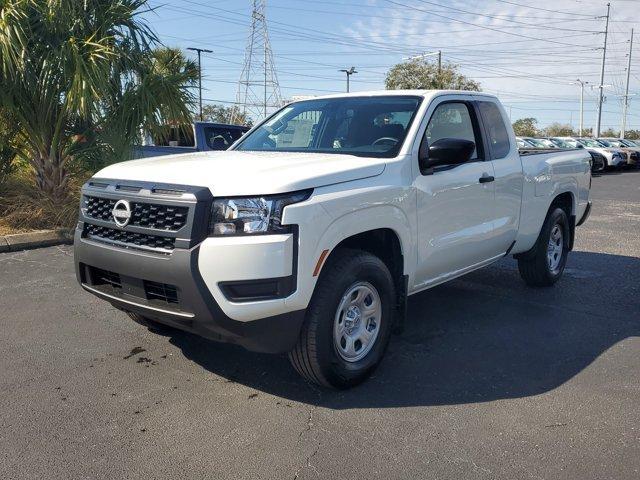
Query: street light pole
[(582, 84), (349, 72), (200, 50)]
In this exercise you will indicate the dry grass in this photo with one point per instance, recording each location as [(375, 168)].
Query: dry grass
[(23, 208)]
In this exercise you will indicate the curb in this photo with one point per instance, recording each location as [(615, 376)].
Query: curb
[(37, 239)]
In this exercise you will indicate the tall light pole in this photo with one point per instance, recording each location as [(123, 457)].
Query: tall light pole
[(582, 84), (200, 50), (349, 72), (625, 105), (601, 86)]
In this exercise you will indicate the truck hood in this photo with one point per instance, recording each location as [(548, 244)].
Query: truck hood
[(231, 173)]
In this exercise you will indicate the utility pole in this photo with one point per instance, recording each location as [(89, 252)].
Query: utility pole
[(582, 84), (601, 86), (349, 72), (430, 54), (625, 106), (200, 50)]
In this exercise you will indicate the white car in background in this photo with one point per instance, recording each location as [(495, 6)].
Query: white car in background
[(614, 157), (539, 142), (631, 150)]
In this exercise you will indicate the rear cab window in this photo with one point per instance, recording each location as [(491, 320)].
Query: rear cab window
[(496, 131), (221, 138)]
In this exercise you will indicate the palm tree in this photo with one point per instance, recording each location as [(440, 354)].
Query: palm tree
[(81, 77)]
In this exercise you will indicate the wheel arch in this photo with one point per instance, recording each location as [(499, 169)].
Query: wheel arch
[(386, 243), (567, 202)]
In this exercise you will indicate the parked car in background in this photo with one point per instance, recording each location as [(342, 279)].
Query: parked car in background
[(632, 151), (522, 143), (560, 143), (308, 235), (538, 142), (548, 143), (598, 161), (206, 136), (613, 156)]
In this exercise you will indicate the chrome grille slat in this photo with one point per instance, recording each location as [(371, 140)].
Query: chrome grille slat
[(169, 218), (129, 239)]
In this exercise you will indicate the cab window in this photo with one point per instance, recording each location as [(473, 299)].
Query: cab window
[(452, 120), (497, 133)]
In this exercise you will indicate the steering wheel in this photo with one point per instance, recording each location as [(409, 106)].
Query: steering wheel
[(391, 141)]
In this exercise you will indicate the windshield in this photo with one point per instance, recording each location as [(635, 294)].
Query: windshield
[(587, 142), (564, 143), (366, 126), (607, 143), (536, 143)]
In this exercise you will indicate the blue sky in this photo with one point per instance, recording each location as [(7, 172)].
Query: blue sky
[(527, 52)]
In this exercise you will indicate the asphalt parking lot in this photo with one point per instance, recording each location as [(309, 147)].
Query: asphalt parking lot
[(489, 380)]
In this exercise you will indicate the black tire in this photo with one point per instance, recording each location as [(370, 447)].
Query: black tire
[(534, 265), (152, 325), (315, 356)]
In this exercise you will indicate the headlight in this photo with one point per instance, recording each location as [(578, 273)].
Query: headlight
[(252, 215)]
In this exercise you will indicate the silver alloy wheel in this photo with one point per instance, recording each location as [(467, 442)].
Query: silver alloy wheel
[(555, 249), (357, 322)]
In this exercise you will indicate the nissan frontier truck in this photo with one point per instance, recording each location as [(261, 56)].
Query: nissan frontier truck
[(310, 232)]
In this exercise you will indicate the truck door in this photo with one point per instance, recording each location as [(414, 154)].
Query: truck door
[(455, 203), (507, 167)]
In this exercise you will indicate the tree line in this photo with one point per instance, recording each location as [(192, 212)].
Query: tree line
[(528, 127)]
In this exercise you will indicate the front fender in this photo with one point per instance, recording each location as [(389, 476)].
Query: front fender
[(338, 215)]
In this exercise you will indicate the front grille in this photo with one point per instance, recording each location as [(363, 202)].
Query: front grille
[(161, 292), (147, 215), (132, 289), (129, 239)]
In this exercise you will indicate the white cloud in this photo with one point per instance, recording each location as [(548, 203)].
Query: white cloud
[(492, 47)]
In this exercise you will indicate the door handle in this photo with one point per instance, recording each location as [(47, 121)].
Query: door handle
[(486, 179)]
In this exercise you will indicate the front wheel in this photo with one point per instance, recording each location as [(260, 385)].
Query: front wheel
[(544, 264), (348, 322)]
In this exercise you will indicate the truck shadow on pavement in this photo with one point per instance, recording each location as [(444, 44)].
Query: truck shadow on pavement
[(483, 337)]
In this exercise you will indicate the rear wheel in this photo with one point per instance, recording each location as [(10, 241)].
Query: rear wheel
[(544, 264), (348, 322)]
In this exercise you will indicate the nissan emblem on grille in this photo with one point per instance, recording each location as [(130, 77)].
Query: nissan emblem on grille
[(121, 213)]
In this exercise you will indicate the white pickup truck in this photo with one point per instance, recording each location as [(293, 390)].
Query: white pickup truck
[(308, 235)]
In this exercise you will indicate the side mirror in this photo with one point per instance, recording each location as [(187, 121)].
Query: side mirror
[(446, 151)]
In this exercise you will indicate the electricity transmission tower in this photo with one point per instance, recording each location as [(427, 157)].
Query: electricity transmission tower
[(258, 88)]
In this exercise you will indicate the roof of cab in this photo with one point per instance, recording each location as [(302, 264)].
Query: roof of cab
[(400, 93)]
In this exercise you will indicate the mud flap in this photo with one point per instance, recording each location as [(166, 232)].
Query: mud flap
[(401, 305)]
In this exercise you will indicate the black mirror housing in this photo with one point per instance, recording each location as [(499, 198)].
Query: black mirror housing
[(446, 151)]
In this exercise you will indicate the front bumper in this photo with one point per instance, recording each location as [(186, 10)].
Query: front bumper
[(617, 161), (194, 308)]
